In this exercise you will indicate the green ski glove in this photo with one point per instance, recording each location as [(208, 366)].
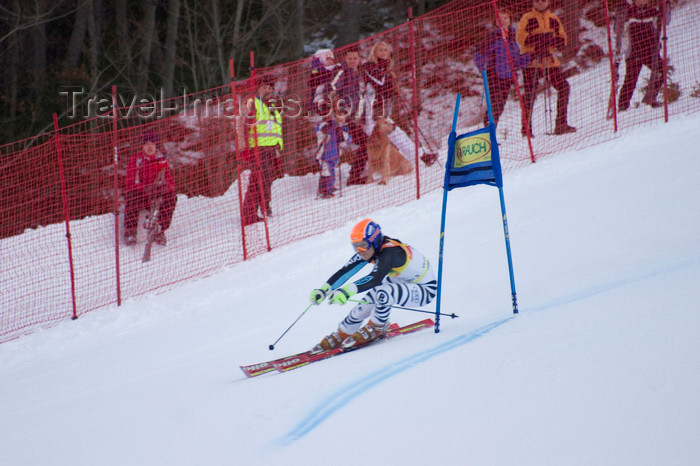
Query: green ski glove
[(319, 294), (341, 295)]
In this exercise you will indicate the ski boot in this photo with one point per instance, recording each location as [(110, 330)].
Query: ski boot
[(429, 158), (130, 238), (564, 128), (160, 239), (366, 334), (334, 340)]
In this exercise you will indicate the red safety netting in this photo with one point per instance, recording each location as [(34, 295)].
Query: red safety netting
[(62, 194)]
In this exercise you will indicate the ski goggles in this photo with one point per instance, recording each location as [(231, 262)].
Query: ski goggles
[(361, 246)]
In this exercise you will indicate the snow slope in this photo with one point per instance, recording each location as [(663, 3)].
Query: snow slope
[(601, 366)]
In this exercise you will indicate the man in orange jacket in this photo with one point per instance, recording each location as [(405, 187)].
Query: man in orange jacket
[(540, 33)]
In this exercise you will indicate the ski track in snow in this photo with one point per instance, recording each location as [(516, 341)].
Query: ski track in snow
[(340, 398), (343, 396), (685, 262)]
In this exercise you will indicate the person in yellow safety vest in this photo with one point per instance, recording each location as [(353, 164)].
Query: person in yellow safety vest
[(265, 141)]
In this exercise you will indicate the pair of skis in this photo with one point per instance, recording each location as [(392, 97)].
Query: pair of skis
[(152, 226), (152, 223), (296, 361)]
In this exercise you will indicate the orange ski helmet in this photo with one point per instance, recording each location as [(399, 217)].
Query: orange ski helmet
[(365, 234)]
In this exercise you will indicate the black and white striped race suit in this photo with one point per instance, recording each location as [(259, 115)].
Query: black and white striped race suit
[(401, 276)]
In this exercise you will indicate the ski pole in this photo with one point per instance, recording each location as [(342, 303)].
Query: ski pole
[(478, 117), (453, 315), (533, 96), (272, 346), (339, 175), (548, 106)]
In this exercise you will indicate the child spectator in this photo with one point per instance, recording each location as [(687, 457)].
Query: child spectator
[(323, 68), (332, 134)]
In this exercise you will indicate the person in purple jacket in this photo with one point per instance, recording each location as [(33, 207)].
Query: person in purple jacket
[(332, 134), (348, 88), (495, 55)]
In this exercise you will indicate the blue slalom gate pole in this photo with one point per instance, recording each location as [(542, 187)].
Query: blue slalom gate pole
[(450, 158), (499, 184), (510, 259)]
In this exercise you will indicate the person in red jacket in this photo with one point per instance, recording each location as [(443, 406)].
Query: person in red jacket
[(143, 184)]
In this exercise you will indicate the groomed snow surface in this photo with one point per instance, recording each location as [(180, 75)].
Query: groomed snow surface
[(601, 366)]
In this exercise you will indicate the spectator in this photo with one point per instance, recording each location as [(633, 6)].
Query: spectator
[(265, 143), (380, 77), (332, 134), (540, 33), (323, 68), (644, 28), (380, 93), (144, 185), (495, 55), (348, 87)]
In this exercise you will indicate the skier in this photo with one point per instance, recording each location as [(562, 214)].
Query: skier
[(401, 276)]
